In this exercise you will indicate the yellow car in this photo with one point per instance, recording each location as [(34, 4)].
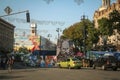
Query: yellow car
[(70, 63)]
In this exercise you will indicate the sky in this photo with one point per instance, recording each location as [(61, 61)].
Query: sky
[(49, 16)]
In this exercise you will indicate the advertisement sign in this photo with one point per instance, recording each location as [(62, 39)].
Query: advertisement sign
[(46, 44)]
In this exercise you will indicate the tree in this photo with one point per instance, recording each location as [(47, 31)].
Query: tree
[(76, 34), (114, 18), (105, 27), (93, 36), (24, 50), (108, 25)]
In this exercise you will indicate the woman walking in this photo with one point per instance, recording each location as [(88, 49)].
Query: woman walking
[(10, 63)]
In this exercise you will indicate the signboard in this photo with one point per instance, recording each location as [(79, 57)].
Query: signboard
[(46, 47), (46, 44), (8, 10)]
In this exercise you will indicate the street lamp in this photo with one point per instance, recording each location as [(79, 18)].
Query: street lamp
[(49, 35), (58, 30), (84, 33)]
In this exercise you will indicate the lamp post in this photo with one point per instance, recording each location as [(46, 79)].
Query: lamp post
[(58, 30), (49, 35), (84, 33)]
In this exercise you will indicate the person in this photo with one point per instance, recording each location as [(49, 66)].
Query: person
[(10, 64), (0, 62), (85, 62), (42, 63), (3, 62)]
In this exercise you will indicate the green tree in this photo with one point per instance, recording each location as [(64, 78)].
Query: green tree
[(24, 50), (114, 18), (105, 27), (93, 37), (108, 25), (76, 33)]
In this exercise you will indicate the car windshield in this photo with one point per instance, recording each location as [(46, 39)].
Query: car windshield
[(75, 59)]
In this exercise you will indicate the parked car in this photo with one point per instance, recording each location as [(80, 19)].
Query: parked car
[(117, 55), (70, 63), (106, 62)]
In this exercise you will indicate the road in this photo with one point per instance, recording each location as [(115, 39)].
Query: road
[(59, 74)]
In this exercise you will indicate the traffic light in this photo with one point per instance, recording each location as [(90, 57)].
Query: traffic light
[(28, 16)]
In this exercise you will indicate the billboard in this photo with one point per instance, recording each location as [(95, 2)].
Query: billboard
[(35, 42), (46, 47), (46, 44)]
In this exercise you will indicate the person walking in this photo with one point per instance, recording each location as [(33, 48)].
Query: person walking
[(10, 64), (3, 62)]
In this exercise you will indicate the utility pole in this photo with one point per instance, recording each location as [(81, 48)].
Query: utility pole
[(58, 30), (58, 41), (84, 33), (49, 35)]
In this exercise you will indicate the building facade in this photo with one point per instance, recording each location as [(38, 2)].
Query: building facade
[(6, 36), (27, 38), (104, 11)]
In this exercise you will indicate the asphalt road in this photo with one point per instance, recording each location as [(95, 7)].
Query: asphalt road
[(59, 74)]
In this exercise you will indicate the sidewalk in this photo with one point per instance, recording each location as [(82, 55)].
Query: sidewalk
[(19, 65)]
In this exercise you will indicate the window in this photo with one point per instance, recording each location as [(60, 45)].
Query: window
[(68, 59)]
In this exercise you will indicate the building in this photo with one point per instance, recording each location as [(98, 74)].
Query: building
[(30, 39), (22, 39), (27, 38), (6, 36), (104, 11)]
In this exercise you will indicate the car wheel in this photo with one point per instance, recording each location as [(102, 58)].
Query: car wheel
[(59, 66), (114, 68), (79, 67), (103, 67)]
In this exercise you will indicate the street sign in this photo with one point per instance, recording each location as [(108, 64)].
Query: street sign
[(8, 10)]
